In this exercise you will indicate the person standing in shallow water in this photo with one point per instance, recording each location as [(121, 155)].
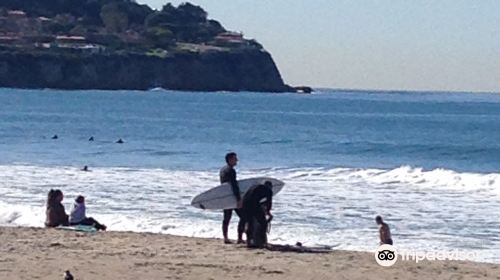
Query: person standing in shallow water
[(228, 175), (384, 231)]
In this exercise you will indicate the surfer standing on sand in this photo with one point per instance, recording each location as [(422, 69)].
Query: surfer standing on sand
[(228, 175), (384, 231)]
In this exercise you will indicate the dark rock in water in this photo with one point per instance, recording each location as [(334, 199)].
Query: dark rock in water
[(68, 276), (242, 70), (303, 89)]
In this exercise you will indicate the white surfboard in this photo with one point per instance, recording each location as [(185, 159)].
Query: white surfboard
[(222, 197)]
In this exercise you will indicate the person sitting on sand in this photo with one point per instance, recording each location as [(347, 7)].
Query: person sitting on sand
[(254, 213), (78, 216), (56, 215), (68, 276), (384, 231)]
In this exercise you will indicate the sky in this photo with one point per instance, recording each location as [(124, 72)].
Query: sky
[(442, 45)]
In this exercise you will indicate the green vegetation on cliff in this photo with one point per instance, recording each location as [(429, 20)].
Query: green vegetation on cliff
[(111, 24)]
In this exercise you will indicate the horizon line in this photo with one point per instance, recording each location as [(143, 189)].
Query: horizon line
[(403, 90)]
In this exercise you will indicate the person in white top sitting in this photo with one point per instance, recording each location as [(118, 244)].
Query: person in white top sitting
[(78, 216)]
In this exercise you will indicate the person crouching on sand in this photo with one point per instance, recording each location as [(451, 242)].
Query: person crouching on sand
[(56, 215), (78, 216), (384, 231), (256, 215)]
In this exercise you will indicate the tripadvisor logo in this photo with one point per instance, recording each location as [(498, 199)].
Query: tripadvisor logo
[(386, 255)]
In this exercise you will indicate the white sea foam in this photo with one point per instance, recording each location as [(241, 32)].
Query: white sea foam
[(436, 209)]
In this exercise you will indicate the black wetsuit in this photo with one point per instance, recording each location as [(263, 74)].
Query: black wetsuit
[(253, 212), (228, 175)]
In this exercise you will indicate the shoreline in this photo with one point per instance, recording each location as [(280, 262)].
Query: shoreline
[(39, 253)]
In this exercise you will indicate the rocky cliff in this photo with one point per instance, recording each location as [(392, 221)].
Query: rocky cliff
[(249, 70)]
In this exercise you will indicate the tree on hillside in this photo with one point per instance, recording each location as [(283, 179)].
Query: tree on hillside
[(187, 22), (169, 9), (160, 37), (185, 13), (158, 19), (137, 13), (92, 13), (115, 17), (191, 13)]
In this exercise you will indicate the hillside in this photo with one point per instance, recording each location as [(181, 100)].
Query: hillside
[(80, 36)]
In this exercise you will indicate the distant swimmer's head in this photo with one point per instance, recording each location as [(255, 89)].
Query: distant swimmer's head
[(80, 199), (91, 138), (55, 137), (120, 141), (231, 159), (379, 220)]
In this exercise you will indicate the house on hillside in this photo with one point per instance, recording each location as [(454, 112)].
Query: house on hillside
[(9, 40), (43, 24), (234, 40), (77, 43), (73, 41), (132, 38), (229, 38), (13, 21), (16, 14)]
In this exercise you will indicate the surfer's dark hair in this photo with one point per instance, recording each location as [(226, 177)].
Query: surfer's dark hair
[(378, 218), (229, 156)]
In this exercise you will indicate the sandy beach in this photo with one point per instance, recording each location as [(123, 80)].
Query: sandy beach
[(36, 253)]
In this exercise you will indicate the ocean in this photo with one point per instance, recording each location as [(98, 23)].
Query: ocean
[(429, 163)]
